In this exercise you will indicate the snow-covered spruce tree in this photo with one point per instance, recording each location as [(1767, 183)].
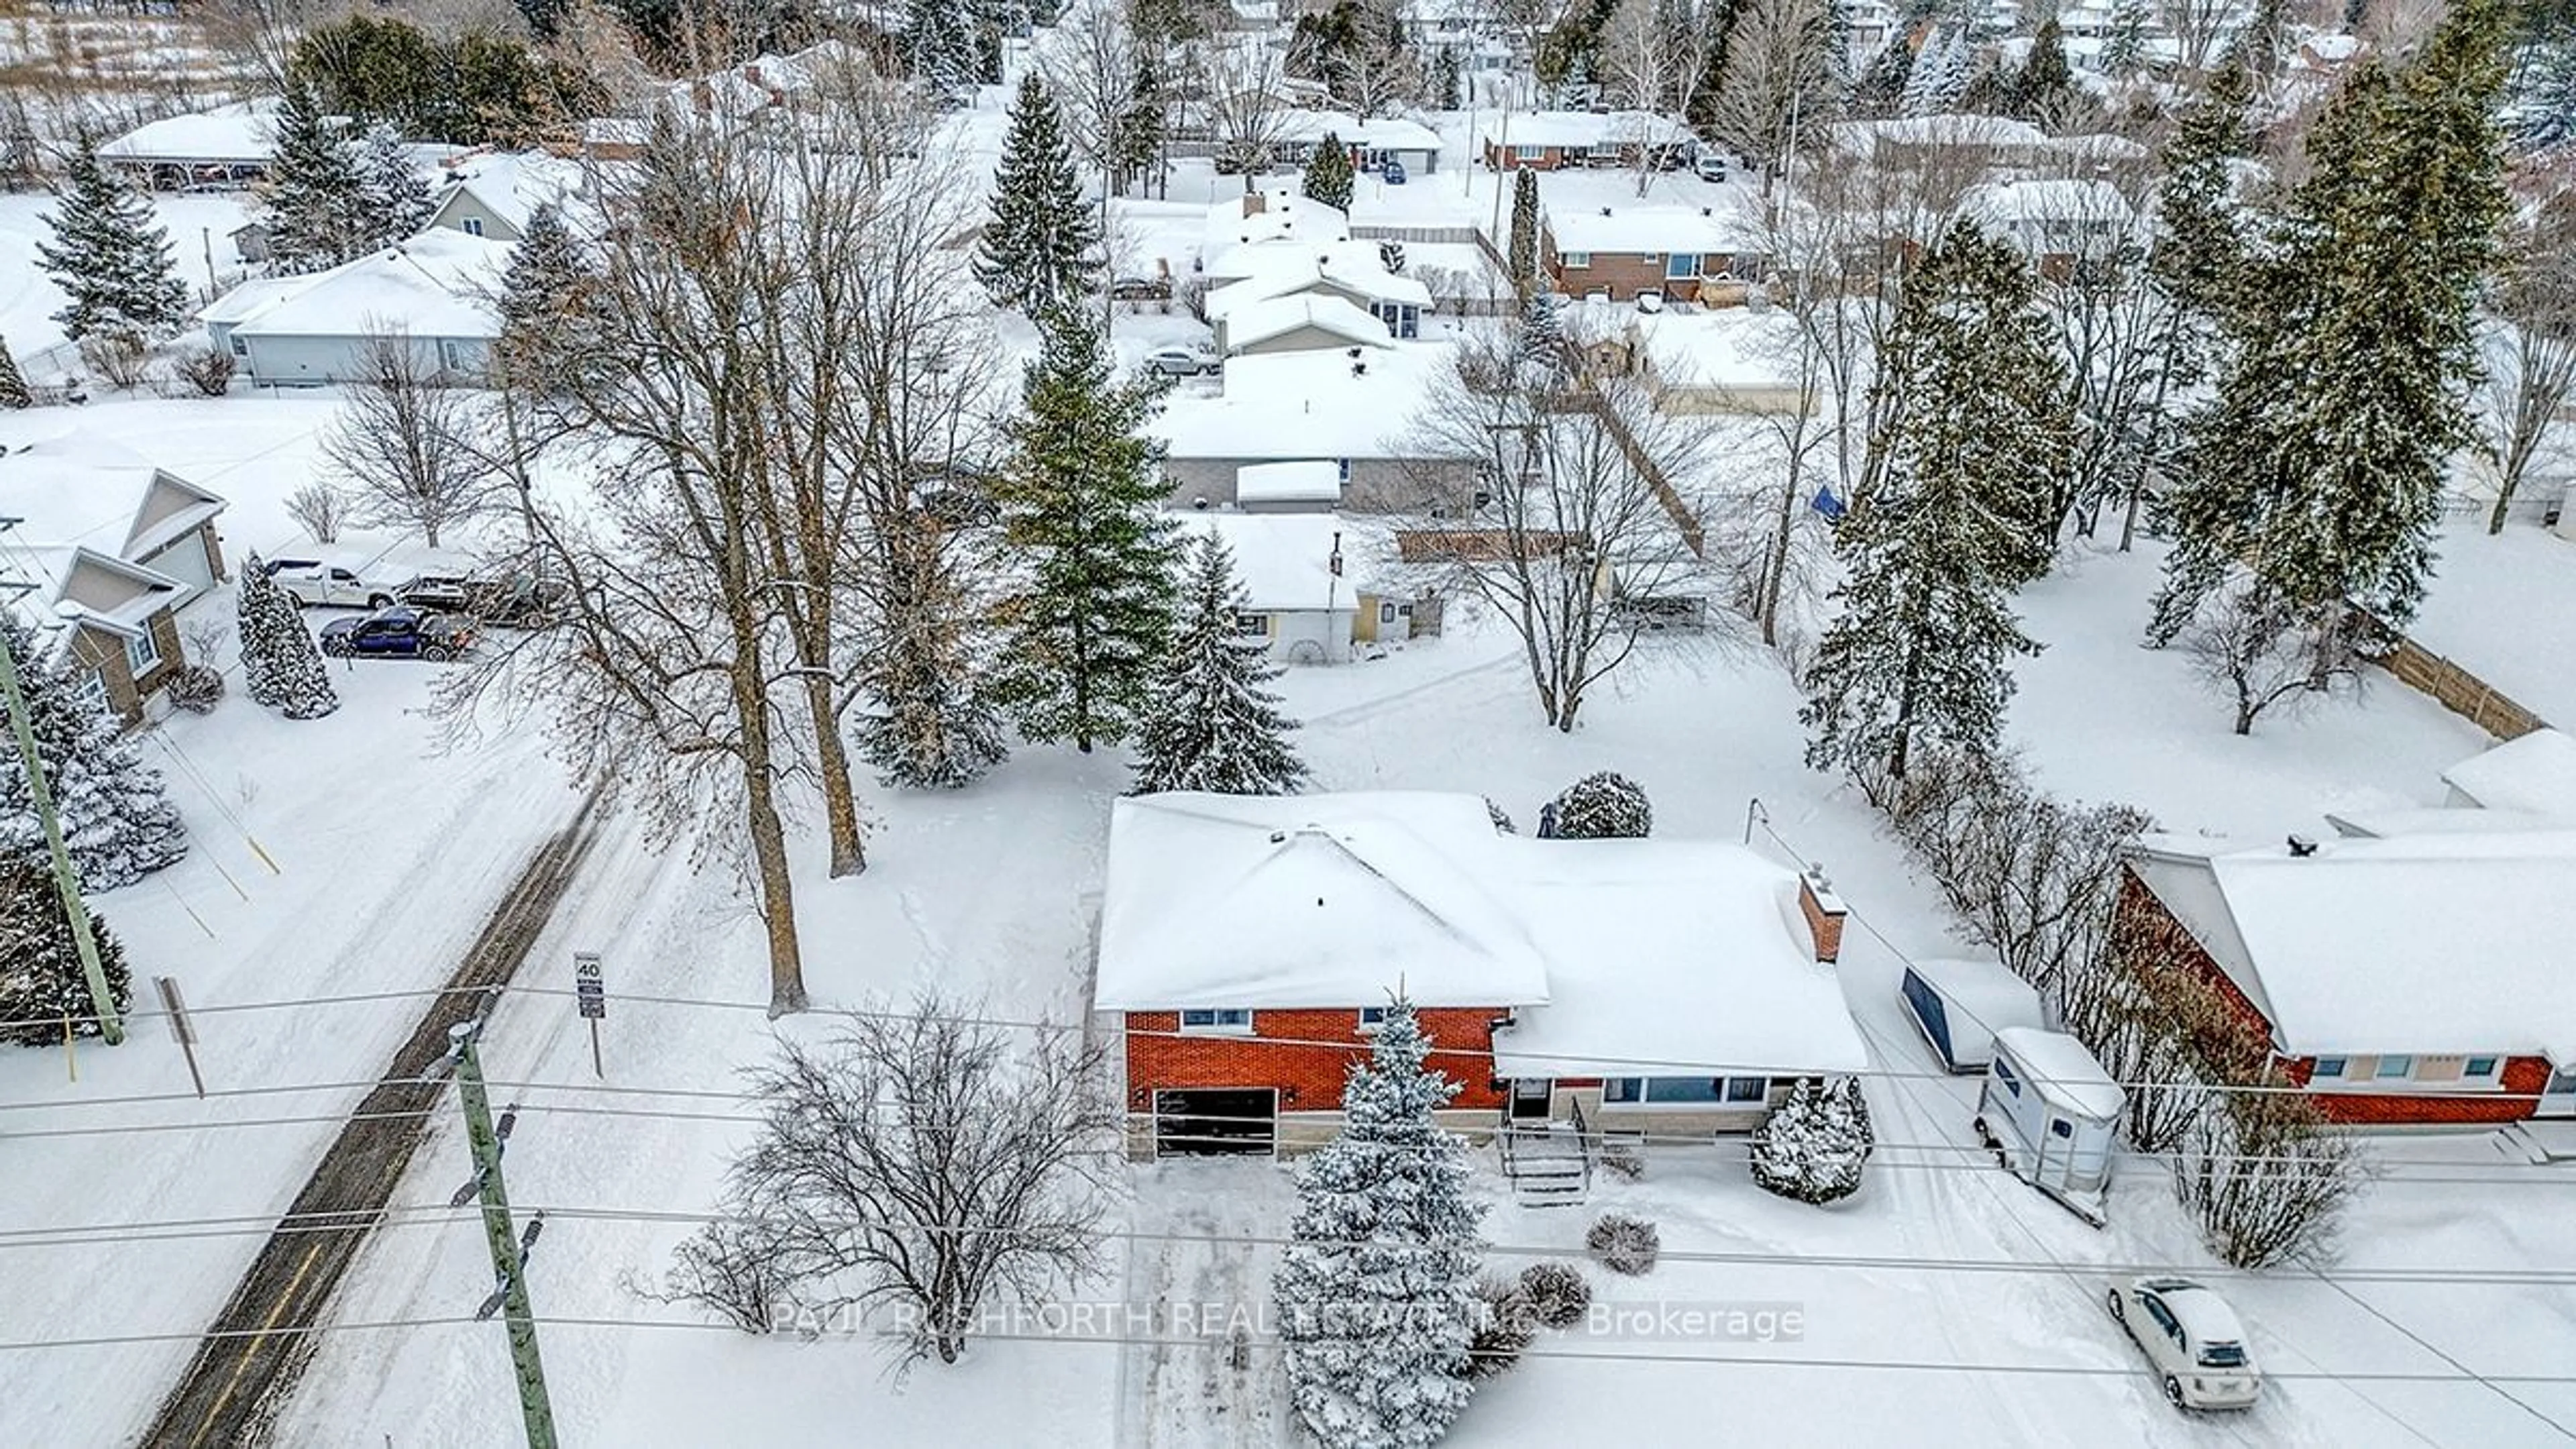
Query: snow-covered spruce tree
[(1605, 805), (2044, 91), (1328, 177), (939, 42), (1879, 92), (111, 257), (1040, 240), (1961, 521), (1939, 77), (1376, 1291), (13, 383), (2542, 111), (2124, 49), (41, 980), (1095, 559), (117, 822), (314, 195), (280, 666), (1524, 230), (1210, 722), (547, 299), (2319, 461), (1813, 1146), (393, 198), (931, 724), (1542, 335)]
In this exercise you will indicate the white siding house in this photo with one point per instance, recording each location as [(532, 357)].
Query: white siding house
[(313, 331)]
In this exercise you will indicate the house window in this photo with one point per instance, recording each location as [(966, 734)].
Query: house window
[(1252, 626), (2439, 1069), (1680, 265), (1528, 153), (2394, 1069), (1574, 261), (1623, 1089), (2479, 1067), (1218, 1019), (241, 346), (1371, 1018), (2327, 1067), (141, 654), (1386, 613), (473, 226), (1343, 468), (1748, 1089), (451, 354), (2004, 1074), (93, 691)]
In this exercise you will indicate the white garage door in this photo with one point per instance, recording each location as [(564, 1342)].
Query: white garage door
[(186, 561)]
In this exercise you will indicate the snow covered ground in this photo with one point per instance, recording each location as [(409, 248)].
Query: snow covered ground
[(198, 224), (2504, 608)]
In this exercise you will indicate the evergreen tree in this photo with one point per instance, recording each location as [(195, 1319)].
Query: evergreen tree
[(14, 392), (1813, 1146), (41, 980), (545, 17), (2044, 93), (1080, 506), (1376, 1290), (2319, 461), (1964, 517), (111, 257), (1542, 339), (1328, 176), (1038, 246), (117, 823), (1604, 805), (1140, 139), (2542, 111), (549, 296), (1445, 80), (1880, 92), (316, 206), (2124, 49), (940, 42), (393, 198), (1210, 722), (280, 666), (1939, 77), (933, 726), (1524, 230)]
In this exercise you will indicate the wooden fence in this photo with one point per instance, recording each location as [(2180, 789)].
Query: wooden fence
[(1422, 235), (2459, 691)]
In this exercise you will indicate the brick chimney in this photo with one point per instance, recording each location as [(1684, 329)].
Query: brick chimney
[(1824, 912)]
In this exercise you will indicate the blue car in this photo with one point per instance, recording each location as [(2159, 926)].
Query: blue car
[(1393, 172), (398, 633)]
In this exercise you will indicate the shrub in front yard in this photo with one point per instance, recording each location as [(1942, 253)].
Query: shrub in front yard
[(1813, 1147), (1558, 1293), (1624, 1244), (1509, 1323), (1604, 806)]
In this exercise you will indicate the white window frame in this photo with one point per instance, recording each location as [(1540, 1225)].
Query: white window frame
[(93, 688), (1251, 624), (2405, 1061), (142, 652), (2494, 1072), (1371, 1018), (1222, 1023), (2341, 1065), (1527, 154), (1575, 261), (472, 225)]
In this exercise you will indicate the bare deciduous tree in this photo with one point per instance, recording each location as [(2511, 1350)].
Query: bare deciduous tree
[(2531, 353), (1656, 53), (2268, 1177), (2247, 640), (919, 1164), (1243, 95), (1781, 84), (321, 509), (403, 439), (1590, 534)]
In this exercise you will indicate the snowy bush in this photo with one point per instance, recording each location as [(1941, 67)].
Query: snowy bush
[(1623, 1158), (196, 688), (1506, 1330), (209, 370), (1604, 806), (321, 509), (1814, 1145), (42, 984), (119, 355), (280, 667), (117, 822), (2267, 1177), (1558, 1293), (1502, 820), (736, 1268), (1623, 1244)]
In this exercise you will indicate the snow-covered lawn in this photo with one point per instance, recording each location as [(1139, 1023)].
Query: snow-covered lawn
[(28, 297)]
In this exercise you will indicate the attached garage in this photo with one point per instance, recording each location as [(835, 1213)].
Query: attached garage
[(1203, 1121)]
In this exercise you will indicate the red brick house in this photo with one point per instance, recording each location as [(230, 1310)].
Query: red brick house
[(2408, 981), (1249, 946), (1562, 140), (1688, 253)]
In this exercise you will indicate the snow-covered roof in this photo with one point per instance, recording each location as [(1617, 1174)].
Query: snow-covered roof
[(511, 185), (1309, 404), (1307, 901), (432, 286), (2536, 772), (1316, 481), (1259, 322), (1947, 129), (235, 133), (71, 487), (1275, 212), (2414, 943), (1718, 229), (2063, 1072), (2049, 203), (1284, 561), (121, 597), (1581, 128), (251, 298), (1987, 993), (1267, 269), (1669, 957), (1381, 133), (1734, 347), (2442, 820)]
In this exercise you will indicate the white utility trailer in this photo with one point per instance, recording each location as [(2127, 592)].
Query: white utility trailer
[(2053, 1115)]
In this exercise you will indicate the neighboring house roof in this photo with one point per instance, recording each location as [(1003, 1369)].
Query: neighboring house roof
[(1284, 561), (1307, 901), (432, 286), (253, 297), (2415, 943), (1260, 322), (1277, 212), (1377, 133), (70, 487), (510, 185), (1317, 481), (1732, 347), (1620, 230), (237, 133), (2442, 820), (1949, 129), (1310, 404), (2054, 211), (1279, 268), (2536, 773), (1582, 128)]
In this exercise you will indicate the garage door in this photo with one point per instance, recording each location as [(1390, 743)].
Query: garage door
[(1215, 1120), (186, 562)]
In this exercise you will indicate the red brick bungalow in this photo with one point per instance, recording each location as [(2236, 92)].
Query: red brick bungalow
[(2413, 981), (1249, 945)]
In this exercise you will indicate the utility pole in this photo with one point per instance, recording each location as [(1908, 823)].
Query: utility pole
[(509, 1263), (111, 1028)]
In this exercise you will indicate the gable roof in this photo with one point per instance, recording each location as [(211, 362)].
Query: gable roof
[(1260, 322), (235, 133), (510, 185), (1275, 212), (432, 286), (1686, 230), (1282, 560), (2536, 772), (1277, 268), (69, 486), (2413, 943), (1309, 404), (1582, 128)]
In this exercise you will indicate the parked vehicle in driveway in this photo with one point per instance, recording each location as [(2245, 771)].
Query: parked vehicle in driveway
[(315, 582), (1183, 361), (2192, 1340), (1141, 289), (438, 593), (400, 632)]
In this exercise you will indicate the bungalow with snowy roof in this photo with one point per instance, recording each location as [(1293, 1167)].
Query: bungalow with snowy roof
[(2054, 222), (1351, 271), (1249, 947), (315, 330), (1559, 140), (1275, 214), (1731, 361), (226, 146), (1354, 408), (1290, 568), (1370, 143), (2413, 980), (1687, 253), (494, 194), (118, 547)]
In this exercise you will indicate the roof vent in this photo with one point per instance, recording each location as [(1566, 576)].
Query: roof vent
[(1708, 211), (2302, 847), (1605, 211), (1279, 837)]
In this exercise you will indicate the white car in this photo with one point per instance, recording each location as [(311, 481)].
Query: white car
[(2192, 1340), (1182, 361), (319, 582)]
